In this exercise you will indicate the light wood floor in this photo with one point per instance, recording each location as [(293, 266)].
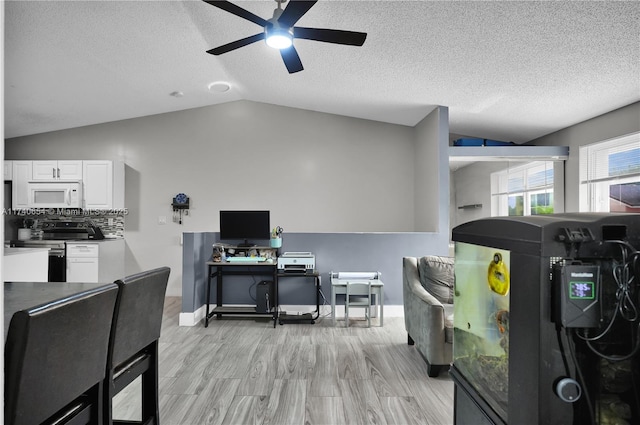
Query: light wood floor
[(243, 371)]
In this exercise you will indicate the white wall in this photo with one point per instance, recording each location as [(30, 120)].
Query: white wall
[(472, 185), (613, 124), (431, 183), (316, 172)]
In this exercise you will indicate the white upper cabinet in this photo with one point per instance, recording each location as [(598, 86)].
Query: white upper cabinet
[(21, 174), (8, 170), (103, 184), (57, 170), (102, 180)]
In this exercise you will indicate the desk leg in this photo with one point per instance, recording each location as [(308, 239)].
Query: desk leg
[(219, 291), (333, 304), (277, 300), (318, 285), (381, 302), (206, 315)]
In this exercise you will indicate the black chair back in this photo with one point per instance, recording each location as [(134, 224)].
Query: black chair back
[(133, 348), (55, 356)]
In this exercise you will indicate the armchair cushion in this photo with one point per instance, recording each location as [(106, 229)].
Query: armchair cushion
[(436, 276)]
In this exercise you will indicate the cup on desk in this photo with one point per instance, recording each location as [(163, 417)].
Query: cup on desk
[(276, 242)]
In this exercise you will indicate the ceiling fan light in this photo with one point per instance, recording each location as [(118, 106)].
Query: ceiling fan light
[(278, 38), (279, 41)]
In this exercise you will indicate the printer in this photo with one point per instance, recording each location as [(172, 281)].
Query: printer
[(297, 262)]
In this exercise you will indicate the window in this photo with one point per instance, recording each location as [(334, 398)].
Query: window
[(523, 190), (610, 175)]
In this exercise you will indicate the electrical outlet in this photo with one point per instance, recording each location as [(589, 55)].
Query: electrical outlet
[(162, 219)]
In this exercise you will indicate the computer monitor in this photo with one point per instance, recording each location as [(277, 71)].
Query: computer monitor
[(247, 226)]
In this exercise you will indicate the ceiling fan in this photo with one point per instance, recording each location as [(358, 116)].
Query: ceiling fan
[(279, 31)]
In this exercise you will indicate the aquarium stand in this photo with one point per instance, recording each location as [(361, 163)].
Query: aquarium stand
[(469, 407)]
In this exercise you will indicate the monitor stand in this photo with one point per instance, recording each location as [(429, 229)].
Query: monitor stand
[(246, 244)]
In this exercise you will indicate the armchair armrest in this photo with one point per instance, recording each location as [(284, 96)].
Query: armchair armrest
[(411, 280), (425, 318)]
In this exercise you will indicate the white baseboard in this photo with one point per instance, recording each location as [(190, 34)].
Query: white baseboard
[(192, 319), (389, 310)]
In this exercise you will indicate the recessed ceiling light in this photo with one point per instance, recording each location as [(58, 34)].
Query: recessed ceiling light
[(219, 87), (176, 94)]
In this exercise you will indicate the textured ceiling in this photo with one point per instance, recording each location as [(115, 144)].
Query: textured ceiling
[(506, 70)]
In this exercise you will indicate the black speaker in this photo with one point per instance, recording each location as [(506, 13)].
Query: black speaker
[(264, 297)]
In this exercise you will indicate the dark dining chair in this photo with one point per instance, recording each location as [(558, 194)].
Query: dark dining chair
[(54, 360), (133, 346)]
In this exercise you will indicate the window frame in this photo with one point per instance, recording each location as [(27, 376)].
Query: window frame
[(502, 193), (596, 177)]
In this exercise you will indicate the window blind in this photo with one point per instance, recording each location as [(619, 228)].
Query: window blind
[(610, 160)]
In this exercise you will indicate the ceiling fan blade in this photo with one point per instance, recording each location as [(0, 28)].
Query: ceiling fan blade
[(291, 60), (294, 11), (350, 38), (236, 44), (238, 11)]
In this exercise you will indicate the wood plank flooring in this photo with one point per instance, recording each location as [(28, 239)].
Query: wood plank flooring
[(245, 372)]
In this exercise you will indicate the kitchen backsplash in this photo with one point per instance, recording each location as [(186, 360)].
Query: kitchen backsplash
[(111, 223)]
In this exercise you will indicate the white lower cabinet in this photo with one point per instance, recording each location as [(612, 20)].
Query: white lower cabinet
[(95, 261), (82, 270), (83, 262)]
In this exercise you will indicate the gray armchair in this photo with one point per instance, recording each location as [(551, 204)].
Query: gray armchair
[(428, 308)]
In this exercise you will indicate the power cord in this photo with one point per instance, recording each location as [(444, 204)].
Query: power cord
[(580, 376), (625, 274)]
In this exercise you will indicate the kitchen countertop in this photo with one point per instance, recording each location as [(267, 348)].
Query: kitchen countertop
[(44, 241), (14, 251), (94, 240)]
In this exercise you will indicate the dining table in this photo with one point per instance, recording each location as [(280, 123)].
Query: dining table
[(24, 295)]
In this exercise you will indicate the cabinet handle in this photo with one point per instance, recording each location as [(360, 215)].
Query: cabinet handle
[(58, 173), (54, 172)]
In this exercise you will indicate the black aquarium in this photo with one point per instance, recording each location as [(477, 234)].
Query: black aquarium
[(547, 320)]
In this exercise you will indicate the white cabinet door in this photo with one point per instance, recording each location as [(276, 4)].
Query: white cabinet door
[(82, 270), (83, 262), (103, 184), (98, 184), (70, 170), (22, 171), (44, 170), (57, 170), (8, 170)]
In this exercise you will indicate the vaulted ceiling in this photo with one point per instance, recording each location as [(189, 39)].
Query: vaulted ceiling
[(506, 70)]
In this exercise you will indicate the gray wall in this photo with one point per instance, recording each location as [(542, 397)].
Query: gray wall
[(316, 172), (381, 252), (471, 184)]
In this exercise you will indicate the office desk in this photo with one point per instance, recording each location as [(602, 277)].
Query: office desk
[(219, 269), (340, 288), (23, 295)]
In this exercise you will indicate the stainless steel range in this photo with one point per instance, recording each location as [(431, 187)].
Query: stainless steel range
[(55, 234), (70, 230)]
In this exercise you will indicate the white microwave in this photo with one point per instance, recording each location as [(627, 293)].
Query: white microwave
[(54, 194)]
